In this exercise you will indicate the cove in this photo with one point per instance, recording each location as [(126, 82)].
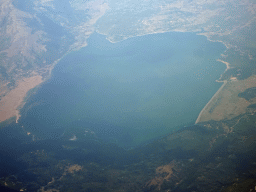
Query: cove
[(128, 92)]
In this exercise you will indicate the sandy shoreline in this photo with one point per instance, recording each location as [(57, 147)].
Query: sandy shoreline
[(216, 94), (226, 63), (213, 97), (227, 103), (14, 100)]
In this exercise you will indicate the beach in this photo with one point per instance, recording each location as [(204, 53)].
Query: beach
[(217, 93), (11, 102), (206, 106)]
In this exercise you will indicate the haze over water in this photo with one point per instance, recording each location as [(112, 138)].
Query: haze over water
[(128, 92)]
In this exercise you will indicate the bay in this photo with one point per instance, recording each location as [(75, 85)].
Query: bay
[(128, 92)]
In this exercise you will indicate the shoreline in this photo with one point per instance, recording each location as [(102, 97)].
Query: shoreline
[(208, 38), (209, 102), (21, 102), (11, 103), (226, 63), (224, 81), (14, 100), (219, 90)]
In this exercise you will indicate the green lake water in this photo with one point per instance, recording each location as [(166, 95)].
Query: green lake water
[(128, 92)]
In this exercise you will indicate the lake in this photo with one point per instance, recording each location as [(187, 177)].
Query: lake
[(129, 92)]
